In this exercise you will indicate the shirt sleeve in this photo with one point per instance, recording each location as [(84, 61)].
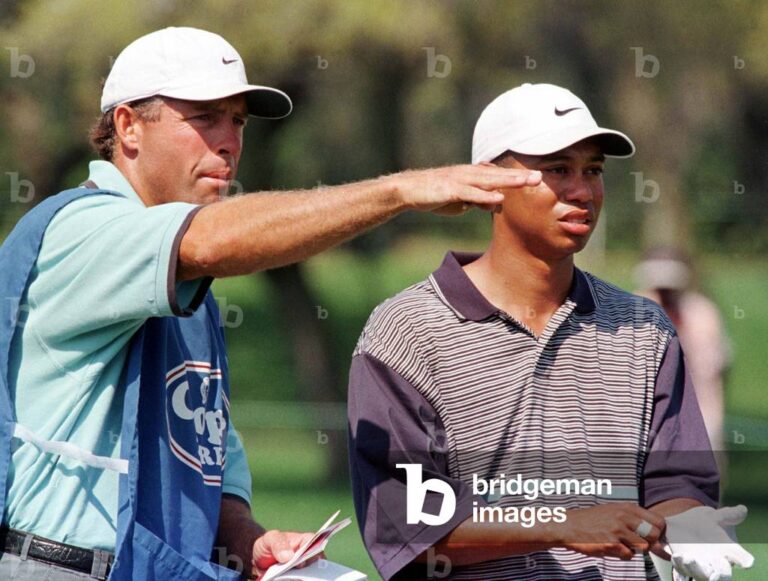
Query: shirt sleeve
[(390, 422), (680, 462), (237, 475), (118, 258)]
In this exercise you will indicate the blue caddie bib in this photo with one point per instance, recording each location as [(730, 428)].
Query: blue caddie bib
[(174, 428)]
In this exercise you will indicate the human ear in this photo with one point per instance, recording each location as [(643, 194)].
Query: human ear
[(127, 128)]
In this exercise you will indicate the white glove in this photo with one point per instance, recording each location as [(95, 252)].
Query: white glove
[(702, 542)]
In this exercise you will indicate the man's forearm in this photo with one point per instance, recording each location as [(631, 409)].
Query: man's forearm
[(255, 232), (674, 506), (237, 533), (601, 530), (259, 231), (473, 542)]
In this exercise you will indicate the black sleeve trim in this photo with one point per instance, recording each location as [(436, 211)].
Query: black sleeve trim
[(205, 282)]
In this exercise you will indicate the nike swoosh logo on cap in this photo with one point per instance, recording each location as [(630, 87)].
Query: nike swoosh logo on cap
[(228, 61), (560, 113)]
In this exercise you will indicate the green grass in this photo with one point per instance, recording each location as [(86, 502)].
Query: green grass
[(288, 468), (740, 289), (759, 572), (745, 484), (305, 509)]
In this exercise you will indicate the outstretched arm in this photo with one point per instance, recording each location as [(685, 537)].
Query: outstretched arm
[(254, 232)]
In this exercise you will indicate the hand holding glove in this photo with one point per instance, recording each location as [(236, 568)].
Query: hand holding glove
[(703, 545)]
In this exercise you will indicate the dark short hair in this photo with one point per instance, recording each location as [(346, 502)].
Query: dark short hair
[(502, 157), (103, 135)]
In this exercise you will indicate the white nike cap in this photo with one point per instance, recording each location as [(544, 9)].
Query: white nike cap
[(539, 120), (189, 64)]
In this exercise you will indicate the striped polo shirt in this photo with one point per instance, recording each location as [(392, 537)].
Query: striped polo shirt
[(442, 378)]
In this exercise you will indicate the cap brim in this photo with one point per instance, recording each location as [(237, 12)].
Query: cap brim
[(266, 102), (612, 143)]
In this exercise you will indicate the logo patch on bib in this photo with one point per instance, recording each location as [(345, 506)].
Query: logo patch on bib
[(197, 412)]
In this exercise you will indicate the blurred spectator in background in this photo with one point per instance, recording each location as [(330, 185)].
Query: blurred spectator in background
[(665, 275)]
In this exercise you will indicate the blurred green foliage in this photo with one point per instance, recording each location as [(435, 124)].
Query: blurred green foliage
[(367, 102), (348, 286)]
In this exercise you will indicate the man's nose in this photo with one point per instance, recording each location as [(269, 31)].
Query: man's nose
[(580, 189), (230, 140)]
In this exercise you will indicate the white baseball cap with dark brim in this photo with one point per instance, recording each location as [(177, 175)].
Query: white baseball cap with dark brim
[(539, 120), (188, 64)]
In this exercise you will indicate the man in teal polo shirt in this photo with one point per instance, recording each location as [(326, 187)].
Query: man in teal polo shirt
[(174, 108)]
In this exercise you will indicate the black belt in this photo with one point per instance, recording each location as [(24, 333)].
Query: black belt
[(53, 552)]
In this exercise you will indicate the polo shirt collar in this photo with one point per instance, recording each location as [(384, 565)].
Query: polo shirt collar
[(106, 175), (460, 293)]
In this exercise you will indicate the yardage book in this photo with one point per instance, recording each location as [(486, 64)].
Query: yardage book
[(320, 570)]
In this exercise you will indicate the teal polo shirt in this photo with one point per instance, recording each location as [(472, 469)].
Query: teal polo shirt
[(105, 266)]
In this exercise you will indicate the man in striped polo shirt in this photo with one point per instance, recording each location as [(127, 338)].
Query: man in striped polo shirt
[(516, 366)]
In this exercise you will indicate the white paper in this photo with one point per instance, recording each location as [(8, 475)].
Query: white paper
[(322, 570), (309, 549)]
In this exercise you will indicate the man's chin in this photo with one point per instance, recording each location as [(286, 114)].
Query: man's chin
[(569, 247), (575, 248), (577, 243), (210, 195), (213, 189), (214, 197)]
